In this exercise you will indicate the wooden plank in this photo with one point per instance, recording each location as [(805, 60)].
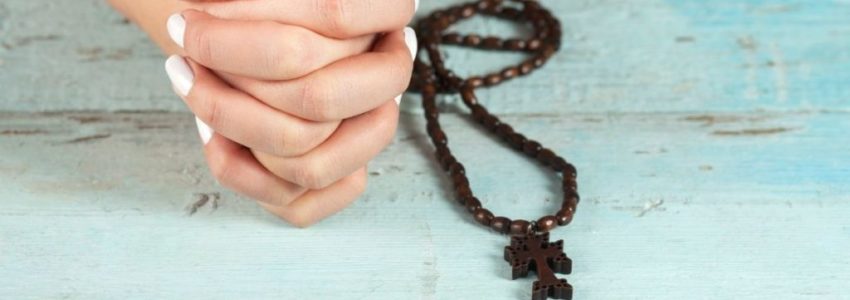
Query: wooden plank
[(705, 206), (637, 55)]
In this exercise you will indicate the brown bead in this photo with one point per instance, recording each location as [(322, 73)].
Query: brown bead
[(447, 162), (534, 44), (491, 42), (475, 82), (504, 130), (472, 40), (472, 204), (546, 156), (515, 45), (520, 227), (570, 202), (468, 95), (457, 168), (547, 223), (463, 191), (517, 141), (483, 216), (532, 148), (492, 79), (452, 38), (460, 179), (510, 72), (467, 11), (501, 225), (526, 68), (491, 122), (564, 216), (438, 137)]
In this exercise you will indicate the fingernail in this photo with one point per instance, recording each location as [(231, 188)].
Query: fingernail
[(415, 5), (204, 131), (177, 28), (180, 73), (410, 40)]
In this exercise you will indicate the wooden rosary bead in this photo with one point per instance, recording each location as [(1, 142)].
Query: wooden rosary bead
[(501, 225), (463, 191), (534, 44), (472, 204), (447, 161), (468, 95), (520, 227), (452, 38), (547, 223), (439, 137), (491, 43), (492, 79), (504, 130), (532, 148), (517, 141), (570, 200), (475, 82), (457, 168), (526, 68), (546, 156), (491, 122), (515, 45), (564, 217), (509, 73), (472, 40), (483, 216), (460, 180)]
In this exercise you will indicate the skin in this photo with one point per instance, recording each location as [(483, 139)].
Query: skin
[(299, 92)]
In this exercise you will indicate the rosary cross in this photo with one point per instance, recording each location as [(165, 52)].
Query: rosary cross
[(535, 253)]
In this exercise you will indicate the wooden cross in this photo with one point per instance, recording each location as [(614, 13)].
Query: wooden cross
[(548, 259)]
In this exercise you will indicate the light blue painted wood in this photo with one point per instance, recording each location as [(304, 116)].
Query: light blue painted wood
[(637, 55), (710, 137)]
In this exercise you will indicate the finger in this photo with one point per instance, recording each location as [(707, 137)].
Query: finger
[(236, 168), (263, 50), (352, 146), (240, 117), (319, 204), (332, 18), (345, 88)]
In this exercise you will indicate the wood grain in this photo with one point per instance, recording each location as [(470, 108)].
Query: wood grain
[(710, 136)]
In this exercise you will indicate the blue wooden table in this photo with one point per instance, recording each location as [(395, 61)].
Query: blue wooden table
[(711, 140)]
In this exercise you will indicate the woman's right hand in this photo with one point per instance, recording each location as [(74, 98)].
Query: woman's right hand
[(293, 99)]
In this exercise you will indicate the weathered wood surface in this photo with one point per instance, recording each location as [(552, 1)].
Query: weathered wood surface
[(710, 137)]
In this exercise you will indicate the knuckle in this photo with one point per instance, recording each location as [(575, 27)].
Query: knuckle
[(315, 100), (337, 16), (222, 168), (200, 43), (212, 113), (310, 175)]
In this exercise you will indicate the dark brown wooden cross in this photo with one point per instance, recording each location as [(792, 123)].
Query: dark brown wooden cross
[(536, 253)]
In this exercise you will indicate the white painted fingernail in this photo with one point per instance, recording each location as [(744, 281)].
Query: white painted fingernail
[(180, 73), (204, 131), (415, 5), (177, 28), (410, 40)]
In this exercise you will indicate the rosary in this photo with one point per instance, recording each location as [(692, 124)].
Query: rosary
[(530, 249)]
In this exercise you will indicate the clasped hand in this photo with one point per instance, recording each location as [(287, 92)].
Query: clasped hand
[(294, 98)]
